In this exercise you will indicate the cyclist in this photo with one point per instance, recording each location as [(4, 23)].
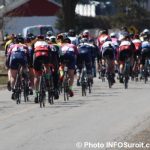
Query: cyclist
[(84, 56), (29, 42), (145, 33), (72, 37), (102, 37), (137, 53), (49, 34), (55, 60), (10, 41), (68, 57), (145, 52), (17, 55), (95, 51), (108, 51), (41, 56), (125, 51)]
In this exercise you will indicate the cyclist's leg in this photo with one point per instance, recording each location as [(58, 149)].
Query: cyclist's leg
[(71, 72), (79, 68), (9, 80), (88, 64), (37, 73), (14, 66)]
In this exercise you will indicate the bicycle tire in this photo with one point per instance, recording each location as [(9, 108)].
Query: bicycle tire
[(41, 96), (50, 97), (126, 82), (83, 89), (109, 83), (18, 89), (89, 85), (25, 91)]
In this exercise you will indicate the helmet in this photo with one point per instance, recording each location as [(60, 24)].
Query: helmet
[(124, 28), (136, 36), (146, 31), (41, 37), (29, 35), (86, 32), (19, 39), (71, 33), (28, 40), (59, 36), (66, 40), (84, 40), (52, 39), (113, 34), (49, 33)]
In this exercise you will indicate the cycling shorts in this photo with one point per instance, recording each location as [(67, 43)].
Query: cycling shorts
[(145, 53), (87, 59), (108, 53), (17, 59), (68, 59), (124, 54), (38, 61)]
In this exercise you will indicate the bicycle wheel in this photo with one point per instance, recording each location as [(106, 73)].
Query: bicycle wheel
[(42, 92), (51, 91), (18, 89), (25, 90), (109, 82), (83, 89), (146, 71), (66, 90), (126, 78), (89, 85)]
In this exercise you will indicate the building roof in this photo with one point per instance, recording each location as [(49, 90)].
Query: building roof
[(24, 8)]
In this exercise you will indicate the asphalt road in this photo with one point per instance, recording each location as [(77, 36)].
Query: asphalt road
[(105, 115)]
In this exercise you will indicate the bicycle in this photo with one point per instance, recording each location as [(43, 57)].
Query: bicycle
[(126, 73), (110, 79), (21, 84), (145, 70), (51, 88), (25, 85), (17, 86), (109, 74), (66, 84), (84, 80)]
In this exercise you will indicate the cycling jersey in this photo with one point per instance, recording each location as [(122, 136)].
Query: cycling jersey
[(101, 39), (68, 53), (41, 48), (18, 54), (108, 49), (137, 43)]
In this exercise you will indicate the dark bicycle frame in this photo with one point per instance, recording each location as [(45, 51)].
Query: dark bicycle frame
[(84, 80), (126, 72)]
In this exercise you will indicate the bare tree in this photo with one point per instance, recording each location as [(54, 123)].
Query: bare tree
[(68, 7)]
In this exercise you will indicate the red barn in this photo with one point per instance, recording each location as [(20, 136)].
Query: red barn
[(34, 8), (30, 12)]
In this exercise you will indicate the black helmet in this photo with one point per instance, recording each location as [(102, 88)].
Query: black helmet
[(41, 37), (49, 33), (71, 33), (19, 39)]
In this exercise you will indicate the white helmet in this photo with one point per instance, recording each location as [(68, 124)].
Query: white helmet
[(86, 32), (146, 31), (113, 34)]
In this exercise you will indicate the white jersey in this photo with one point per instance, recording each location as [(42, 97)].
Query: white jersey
[(40, 44), (74, 40), (107, 44)]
